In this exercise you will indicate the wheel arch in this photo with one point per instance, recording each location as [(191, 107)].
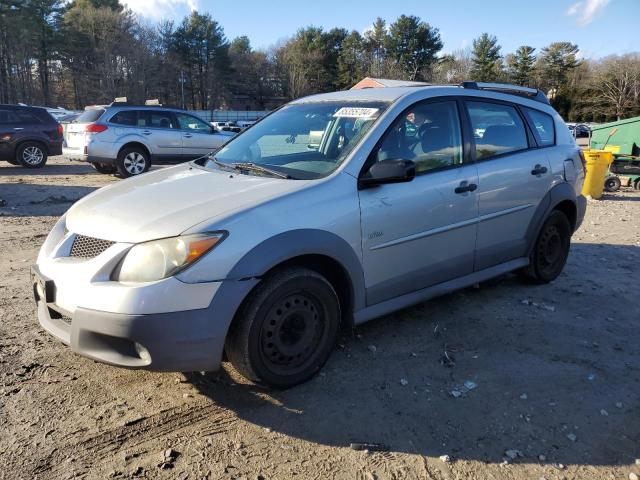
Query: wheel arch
[(137, 144), (40, 142), (318, 250), (561, 197)]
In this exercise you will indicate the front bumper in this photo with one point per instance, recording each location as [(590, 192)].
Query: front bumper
[(182, 341)]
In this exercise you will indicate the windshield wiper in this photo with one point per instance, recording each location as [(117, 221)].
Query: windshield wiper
[(221, 164), (252, 167)]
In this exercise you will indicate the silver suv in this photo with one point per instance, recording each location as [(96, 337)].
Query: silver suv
[(128, 138), (333, 210)]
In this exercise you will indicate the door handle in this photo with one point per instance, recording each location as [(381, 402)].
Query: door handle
[(466, 187), (146, 132), (187, 135), (18, 128), (538, 170)]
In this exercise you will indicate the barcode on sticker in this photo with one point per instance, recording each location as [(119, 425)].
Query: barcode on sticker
[(356, 112)]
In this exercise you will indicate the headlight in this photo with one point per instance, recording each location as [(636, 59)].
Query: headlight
[(150, 261)]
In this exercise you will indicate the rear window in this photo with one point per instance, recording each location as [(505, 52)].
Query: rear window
[(90, 115), (543, 128)]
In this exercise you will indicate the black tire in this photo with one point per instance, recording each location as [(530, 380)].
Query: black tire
[(612, 184), (31, 155), (636, 184), (105, 168), (551, 249), (132, 161), (286, 329)]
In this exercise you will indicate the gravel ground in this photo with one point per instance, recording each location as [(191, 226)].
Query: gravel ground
[(509, 380)]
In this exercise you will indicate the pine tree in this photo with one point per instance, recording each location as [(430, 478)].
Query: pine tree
[(520, 65), (486, 60)]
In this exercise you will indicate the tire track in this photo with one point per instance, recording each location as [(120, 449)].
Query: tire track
[(92, 450)]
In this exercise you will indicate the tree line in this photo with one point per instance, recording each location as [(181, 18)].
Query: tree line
[(60, 53)]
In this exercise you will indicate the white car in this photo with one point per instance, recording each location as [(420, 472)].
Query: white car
[(329, 211)]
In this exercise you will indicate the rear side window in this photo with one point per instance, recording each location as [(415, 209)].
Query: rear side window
[(125, 117), (150, 118), (497, 129), (543, 127), (90, 115), (8, 117)]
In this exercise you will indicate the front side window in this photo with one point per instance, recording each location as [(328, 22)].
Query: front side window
[(305, 140), (153, 119), (189, 122), (543, 127), (497, 129), (428, 133)]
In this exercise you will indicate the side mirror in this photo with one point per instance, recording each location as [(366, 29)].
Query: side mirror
[(388, 171)]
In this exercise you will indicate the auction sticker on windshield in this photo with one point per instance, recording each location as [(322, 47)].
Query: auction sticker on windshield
[(356, 112)]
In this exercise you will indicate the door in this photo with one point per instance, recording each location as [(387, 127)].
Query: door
[(8, 124), (513, 176), (160, 128), (198, 137), (423, 232)]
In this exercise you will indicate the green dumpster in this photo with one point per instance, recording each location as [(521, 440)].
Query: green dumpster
[(625, 140)]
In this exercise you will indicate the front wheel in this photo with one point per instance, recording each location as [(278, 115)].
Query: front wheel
[(132, 161), (286, 329), (551, 249), (31, 155)]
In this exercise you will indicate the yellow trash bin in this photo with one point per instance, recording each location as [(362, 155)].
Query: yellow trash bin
[(598, 162)]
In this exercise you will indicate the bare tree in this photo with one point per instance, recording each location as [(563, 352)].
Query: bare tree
[(617, 80)]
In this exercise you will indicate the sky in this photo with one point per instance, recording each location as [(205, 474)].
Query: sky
[(599, 27)]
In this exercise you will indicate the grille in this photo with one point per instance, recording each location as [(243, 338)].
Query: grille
[(88, 247)]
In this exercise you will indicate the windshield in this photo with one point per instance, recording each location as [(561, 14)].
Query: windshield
[(302, 141)]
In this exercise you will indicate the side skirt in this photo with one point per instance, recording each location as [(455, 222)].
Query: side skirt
[(408, 299)]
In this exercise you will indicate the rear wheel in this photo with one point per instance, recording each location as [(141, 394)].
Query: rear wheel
[(132, 161), (286, 329), (551, 249), (612, 184), (105, 168), (31, 155)]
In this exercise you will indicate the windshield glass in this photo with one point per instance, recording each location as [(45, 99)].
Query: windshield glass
[(302, 141)]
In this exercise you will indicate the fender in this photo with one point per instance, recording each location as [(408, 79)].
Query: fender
[(557, 194), (288, 245)]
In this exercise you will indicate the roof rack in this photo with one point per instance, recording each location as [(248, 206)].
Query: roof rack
[(531, 93)]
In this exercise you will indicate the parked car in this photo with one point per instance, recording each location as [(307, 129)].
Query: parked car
[(580, 130), (226, 127), (245, 123), (266, 248), (28, 135), (129, 138)]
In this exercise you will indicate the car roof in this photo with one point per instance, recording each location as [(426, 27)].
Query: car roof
[(19, 107)]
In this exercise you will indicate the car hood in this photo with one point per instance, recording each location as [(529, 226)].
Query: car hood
[(167, 202)]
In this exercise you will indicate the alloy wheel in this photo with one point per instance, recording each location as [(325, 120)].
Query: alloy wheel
[(32, 155), (134, 163)]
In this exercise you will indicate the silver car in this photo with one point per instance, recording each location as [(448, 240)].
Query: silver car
[(336, 209), (128, 139)]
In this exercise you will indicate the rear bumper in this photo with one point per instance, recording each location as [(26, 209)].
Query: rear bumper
[(55, 149), (79, 156)]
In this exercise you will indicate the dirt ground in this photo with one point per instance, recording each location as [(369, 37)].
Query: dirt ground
[(552, 378)]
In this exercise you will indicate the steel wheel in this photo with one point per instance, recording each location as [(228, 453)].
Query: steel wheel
[(285, 329), (134, 163), (551, 249), (292, 333)]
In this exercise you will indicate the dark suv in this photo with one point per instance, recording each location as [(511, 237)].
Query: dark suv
[(28, 135)]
